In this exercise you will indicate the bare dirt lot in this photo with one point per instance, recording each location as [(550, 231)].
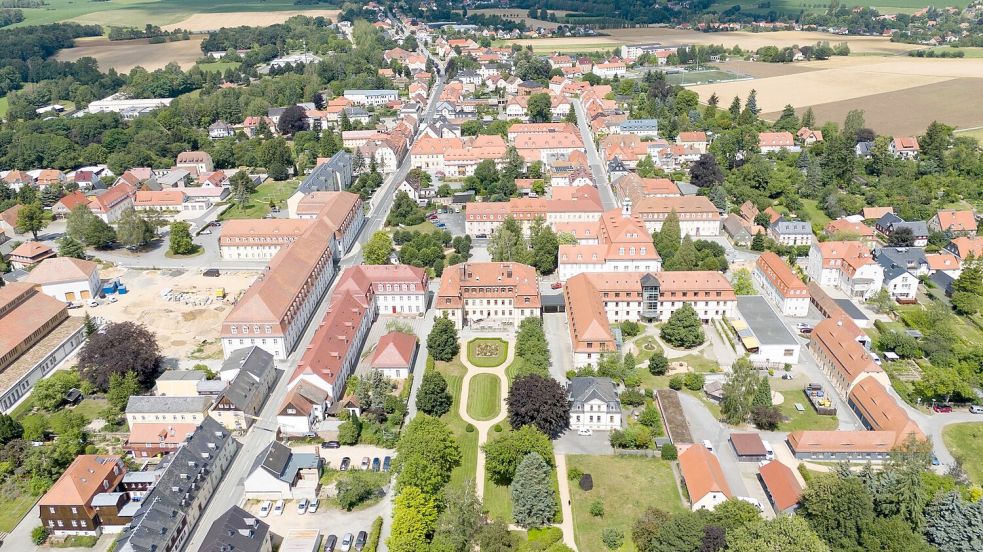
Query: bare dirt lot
[(760, 70), (180, 326), (746, 40), (516, 14), (884, 86), (215, 21), (124, 55)]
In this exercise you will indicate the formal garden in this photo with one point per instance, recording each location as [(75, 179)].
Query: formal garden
[(486, 352)]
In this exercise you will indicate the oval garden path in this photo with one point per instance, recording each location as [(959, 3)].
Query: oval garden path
[(483, 427)]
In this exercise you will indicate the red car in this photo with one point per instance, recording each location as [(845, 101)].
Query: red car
[(556, 285), (942, 408)]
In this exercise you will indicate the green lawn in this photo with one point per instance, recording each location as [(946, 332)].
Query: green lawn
[(498, 500), (15, 507), (518, 363), (453, 372), (967, 52), (424, 227), (816, 215), (698, 363), (647, 346), (700, 77), (626, 486), (218, 66), (259, 201), (965, 442), (90, 408), (137, 13), (3, 107), (807, 420), (486, 352), (484, 398)]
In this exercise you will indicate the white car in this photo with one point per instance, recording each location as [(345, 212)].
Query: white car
[(346, 542), (302, 507), (278, 508), (312, 506), (264, 508), (585, 431), (708, 445)]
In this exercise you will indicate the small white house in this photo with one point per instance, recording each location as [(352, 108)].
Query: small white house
[(66, 279), (594, 404), (704, 480), (302, 410), (395, 354)]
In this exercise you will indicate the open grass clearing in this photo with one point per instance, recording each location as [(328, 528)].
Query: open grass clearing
[(647, 346), (259, 202), (965, 442), (816, 215), (626, 486), (808, 419), (453, 372), (498, 500), (701, 77), (484, 400), (16, 504), (485, 352), (218, 66)]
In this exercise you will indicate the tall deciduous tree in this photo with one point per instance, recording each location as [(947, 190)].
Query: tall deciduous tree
[(545, 247), (121, 388), (539, 108), (533, 497), (667, 239), (460, 521), (379, 249), (507, 243), (781, 533), (705, 172), (133, 230), (294, 119), (122, 347), (425, 455), (531, 345), (739, 390), (839, 509), (504, 453), (542, 402), (742, 282), (70, 247), (442, 341), (684, 328), (31, 219), (414, 520), (433, 398)]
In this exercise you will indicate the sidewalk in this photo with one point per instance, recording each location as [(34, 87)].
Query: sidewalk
[(484, 427)]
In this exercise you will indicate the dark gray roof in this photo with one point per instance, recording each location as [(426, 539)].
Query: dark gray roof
[(181, 375), (791, 227), (943, 280), (851, 309), (649, 280), (639, 125), (334, 175), (236, 531), (583, 390), (887, 219), (163, 509), (254, 365), (276, 458), (891, 269), (910, 257), (918, 227), (148, 404), (687, 189), (616, 165), (734, 226), (283, 463), (552, 300), (767, 327)]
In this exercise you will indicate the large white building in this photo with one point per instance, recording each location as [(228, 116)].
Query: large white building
[(66, 279), (488, 294), (781, 285), (371, 97), (398, 289), (698, 216), (770, 342), (847, 266), (618, 242)]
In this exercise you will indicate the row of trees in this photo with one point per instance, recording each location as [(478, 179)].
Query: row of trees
[(508, 244)]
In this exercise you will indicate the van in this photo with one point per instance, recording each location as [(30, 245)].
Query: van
[(976, 409), (769, 452), (708, 445)]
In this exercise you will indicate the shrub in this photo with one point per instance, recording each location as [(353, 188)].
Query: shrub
[(676, 382), (571, 374), (597, 508), (630, 328), (497, 428), (694, 381), (573, 474), (373, 542), (668, 452), (613, 538), (39, 534), (766, 417), (469, 428), (632, 397), (586, 482)]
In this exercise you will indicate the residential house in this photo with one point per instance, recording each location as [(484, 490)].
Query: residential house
[(280, 473), (845, 361), (648, 128), (220, 129), (29, 254), (253, 376), (169, 512), (698, 216), (781, 285), (899, 282), (694, 139), (156, 408), (196, 162), (956, 223), (704, 480), (150, 439), (493, 294), (791, 232), (395, 355), (371, 97), (848, 266), (110, 204), (8, 220), (738, 230), (843, 229), (769, 142), (594, 404), (67, 508), (237, 531), (875, 213), (66, 279), (304, 407), (964, 246), (64, 206), (808, 136), (904, 147), (891, 223)]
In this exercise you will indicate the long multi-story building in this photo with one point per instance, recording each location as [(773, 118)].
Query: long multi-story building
[(697, 215), (488, 294), (574, 204), (456, 157), (545, 141), (621, 243), (835, 343), (781, 285), (398, 289), (847, 266)]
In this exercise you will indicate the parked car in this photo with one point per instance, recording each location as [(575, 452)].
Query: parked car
[(365, 463), (264, 508), (346, 542), (360, 540), (935, 460), (71, 305), (803, 327), (346, 462), (331, 444), (93, 303), (302, 507), (312, 506), (112, 299), (205, 232), (387, 463), (708, 445), (211, 273), (376, 464), (440, 225), (278, 508), (556, 285), (331, 543), (787, 376), (942, 408), (585, 432), (976, 409)]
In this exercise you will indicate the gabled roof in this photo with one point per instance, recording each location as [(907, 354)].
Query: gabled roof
[(236, 531), (586, 389), (781, 483), (82, 480), (702, 474), (394, 350), (61, 269), (957, 221)]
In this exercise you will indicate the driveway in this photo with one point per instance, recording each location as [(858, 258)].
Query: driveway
[(597, 444), (558, 337)]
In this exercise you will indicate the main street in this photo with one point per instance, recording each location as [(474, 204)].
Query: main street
[(596, 164), (229, 491)]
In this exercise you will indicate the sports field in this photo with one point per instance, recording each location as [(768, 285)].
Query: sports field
[(193, 14)]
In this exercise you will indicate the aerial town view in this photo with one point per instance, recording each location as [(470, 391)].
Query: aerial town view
[(491, 275)]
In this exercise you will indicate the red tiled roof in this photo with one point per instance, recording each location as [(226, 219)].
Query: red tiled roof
[(394, 350)]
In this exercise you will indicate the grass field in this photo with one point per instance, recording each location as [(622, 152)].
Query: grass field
[(975, 133), (647, 346), (259, 202), (700, 77), (484, 400), (487, 352), (453, 372), (15, 507), (218, 66), (965, 442), (967, 52), (137, 13), (816, 215), (807, 420), (626, 486), (498, 500), (4, 105)]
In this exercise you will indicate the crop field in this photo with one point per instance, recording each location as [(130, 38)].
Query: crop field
[(194, 14), (881, 86), (124, 55), (515, 14), (814, 6)]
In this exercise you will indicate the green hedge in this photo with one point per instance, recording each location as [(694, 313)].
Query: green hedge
[(373, 541)]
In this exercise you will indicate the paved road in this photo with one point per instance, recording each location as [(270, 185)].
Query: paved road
[(230, 489), (596, 165)]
